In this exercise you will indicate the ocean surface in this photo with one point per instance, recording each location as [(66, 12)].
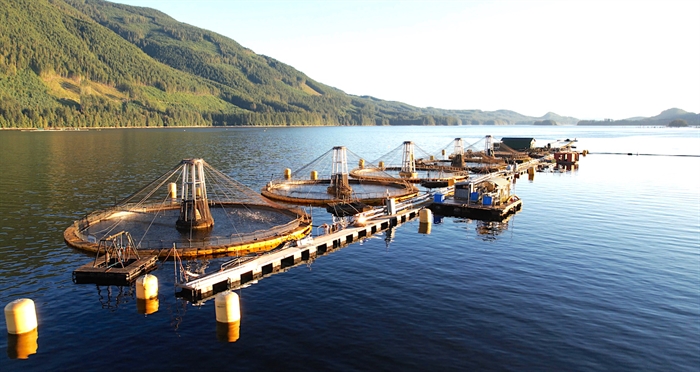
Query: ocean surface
[(600, 270)]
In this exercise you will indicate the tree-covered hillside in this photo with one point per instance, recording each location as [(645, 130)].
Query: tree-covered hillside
[(92, 63), (663, 119)]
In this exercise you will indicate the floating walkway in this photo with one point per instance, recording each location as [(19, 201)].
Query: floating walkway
[(112, 272), (258, 267)]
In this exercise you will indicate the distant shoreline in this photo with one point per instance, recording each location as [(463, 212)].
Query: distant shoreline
[(86, 129)]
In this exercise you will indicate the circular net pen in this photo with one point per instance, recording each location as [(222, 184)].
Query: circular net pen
[(325, 182), (196, 209), (478, 157), (402, 163)]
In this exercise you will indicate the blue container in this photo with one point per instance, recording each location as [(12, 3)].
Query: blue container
[(487, 200), (475, 196), (438, 198)]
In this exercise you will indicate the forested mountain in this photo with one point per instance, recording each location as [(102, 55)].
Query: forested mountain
[(662, 119), (92, 63)]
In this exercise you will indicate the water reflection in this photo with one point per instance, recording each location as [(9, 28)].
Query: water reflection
[(147, 306), (425, 228), (389, 236), (23, 345), (111, 297), (177, 313), (487, 230), (228, 332)]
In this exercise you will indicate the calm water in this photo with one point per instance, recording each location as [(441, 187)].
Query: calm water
[(599, 271)]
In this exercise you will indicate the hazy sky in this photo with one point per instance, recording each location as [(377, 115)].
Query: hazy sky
[(587, 59)]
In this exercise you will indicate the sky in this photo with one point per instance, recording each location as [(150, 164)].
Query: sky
[(590, 59)]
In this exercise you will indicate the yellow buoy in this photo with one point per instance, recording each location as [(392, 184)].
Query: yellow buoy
[(314, 175), (147, 307), (20, 316), (22, 346), (287, 173), (147, 287), (425, 215), (173, 190), (228, 332), (362, 163), (228, 307), (381, 165)]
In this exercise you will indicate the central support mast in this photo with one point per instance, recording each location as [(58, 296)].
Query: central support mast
[(340, 186), (488, 146), (194, 206), (408, 166), (458, 154)]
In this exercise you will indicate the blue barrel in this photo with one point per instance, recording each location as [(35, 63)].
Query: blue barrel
[(487, 200), (474, 196)]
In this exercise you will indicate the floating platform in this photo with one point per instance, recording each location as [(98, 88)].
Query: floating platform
[(422, 173), (114, 272), (247, 270), (196, 209), (314, 192), (454, 208), (335, 187)]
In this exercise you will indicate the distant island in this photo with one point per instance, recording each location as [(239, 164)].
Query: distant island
[(674, 116), (545, 122)]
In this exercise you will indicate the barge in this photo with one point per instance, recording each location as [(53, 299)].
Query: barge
[(486, 198)]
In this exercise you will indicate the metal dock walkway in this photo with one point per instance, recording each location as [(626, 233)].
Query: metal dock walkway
[(261, 266)]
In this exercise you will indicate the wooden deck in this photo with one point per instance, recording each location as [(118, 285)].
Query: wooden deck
[(99, 272)]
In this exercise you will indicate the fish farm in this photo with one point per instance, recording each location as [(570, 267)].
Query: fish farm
[(334, 185), (195, 209)]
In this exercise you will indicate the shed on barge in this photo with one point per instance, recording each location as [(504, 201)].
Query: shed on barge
[(486, 198)]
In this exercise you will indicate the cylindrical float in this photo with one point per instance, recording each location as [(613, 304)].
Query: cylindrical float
[(172, 186), (147, 287), (425, 215), (20, 316), (228, 307), (314, 175), (22, 346), (381, 165), (287, 174), (362, 163)]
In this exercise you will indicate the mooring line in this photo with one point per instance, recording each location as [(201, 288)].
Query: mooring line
[(638, 154)]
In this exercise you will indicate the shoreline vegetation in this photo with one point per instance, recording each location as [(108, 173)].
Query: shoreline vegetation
[(85, 129), (96, 64)]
